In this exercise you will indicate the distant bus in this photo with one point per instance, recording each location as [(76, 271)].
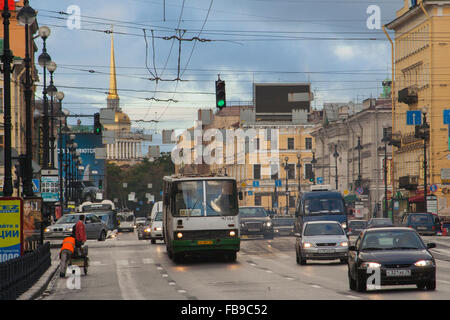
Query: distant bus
[(321, 203), (200, 216)]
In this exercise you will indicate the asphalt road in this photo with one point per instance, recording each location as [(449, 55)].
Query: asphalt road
[(129, 269)]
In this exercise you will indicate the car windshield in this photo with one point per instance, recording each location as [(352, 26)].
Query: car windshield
[(421, 218), (323, 229), (159, 216), (357, 224), (252, 212), (380, 222), (68, 218), (283, 222), (391, 240), (446, 224), (314, 206)]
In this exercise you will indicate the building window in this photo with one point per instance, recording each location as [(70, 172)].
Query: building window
[(291, 202), (274, 172), (290, 143), (308, 171), (257, 199), (256, 171), (257, 144), (308, 143), (291, 171)]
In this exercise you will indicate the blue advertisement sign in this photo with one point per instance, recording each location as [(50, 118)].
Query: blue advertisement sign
[(256, 184), (10, 228), (278, 183), (91, 169)]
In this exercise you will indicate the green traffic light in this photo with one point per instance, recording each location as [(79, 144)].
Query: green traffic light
[(221, 103)]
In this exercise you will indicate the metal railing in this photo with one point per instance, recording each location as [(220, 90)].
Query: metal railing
[(19, 274)]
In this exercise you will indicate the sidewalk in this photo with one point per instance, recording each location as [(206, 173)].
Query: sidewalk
[(41, 285)]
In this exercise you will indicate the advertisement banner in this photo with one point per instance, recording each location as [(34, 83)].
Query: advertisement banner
[(32, 219), (10, 228), (50, 188)]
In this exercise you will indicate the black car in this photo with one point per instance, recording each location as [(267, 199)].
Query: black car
[(255, 221), (283, 226), (391, 256), (356, 226)]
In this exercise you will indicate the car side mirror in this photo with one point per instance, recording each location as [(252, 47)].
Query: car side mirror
[(431, 245), (241, 195), (352, 248)]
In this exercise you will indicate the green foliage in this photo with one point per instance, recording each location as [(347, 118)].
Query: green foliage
[(137, 178)]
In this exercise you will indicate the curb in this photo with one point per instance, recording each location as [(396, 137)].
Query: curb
[(41, 285)]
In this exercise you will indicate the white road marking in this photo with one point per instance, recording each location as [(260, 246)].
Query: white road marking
[(165, 275), (148, 261), (122, 262)]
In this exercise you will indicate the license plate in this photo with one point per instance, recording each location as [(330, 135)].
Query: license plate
[(422, 228), (398, 273), (326, 251), (205, 242), (254, 230)]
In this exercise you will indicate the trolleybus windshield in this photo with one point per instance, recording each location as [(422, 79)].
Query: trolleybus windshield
[(205, 198)]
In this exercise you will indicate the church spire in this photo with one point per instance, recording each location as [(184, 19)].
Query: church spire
[(113, 97)]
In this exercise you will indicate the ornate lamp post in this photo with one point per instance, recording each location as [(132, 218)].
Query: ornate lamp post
[(27, 16), (359, 147), (299, 167), (336, 155), (286, 168), (314, 162), (51, 90)]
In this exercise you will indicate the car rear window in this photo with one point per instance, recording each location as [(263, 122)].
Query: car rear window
[(420, 218), (357, 224)]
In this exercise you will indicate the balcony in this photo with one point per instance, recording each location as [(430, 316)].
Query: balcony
[(408, 95), (408, 182)]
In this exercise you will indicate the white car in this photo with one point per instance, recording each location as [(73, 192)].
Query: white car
[(156, 226), (321, 240)]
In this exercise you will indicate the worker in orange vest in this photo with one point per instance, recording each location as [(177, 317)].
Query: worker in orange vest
[(65, 255)]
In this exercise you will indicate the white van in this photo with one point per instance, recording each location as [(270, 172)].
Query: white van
[(157, 207), (127, 221)]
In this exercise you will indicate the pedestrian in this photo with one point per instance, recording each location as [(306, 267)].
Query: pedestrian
[(80, 234), (65, 254)]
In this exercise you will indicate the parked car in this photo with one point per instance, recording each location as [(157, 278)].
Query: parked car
[(380, 222), (400, 255), (283, 226), (423, 223), (321, 240), (255, 221), (156, 226), (356, 226), (95, 227)]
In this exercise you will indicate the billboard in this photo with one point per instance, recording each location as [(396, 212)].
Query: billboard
[(32, 219), (281, 97), (10, 228), (91, 169)]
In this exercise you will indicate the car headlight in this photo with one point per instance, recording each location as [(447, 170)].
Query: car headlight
[(69, 229), (232, 233), (47, 230), (158, 229), (344, 225), (147, 230), (344, 244), (268, 224), (370, 265), (307, 245), (424, 263)]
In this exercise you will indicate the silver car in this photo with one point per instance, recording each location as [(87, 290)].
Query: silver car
[(95, 227), (321, 240)]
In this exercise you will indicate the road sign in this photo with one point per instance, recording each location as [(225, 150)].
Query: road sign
[(433, 188), (359, 190), (319, 180), (250, 193), (278, 183), (432, 205), (446, 116), (36, 185), (243, 184), (413, 118), (256, 184)]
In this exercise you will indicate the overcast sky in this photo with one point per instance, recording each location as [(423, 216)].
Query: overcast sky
[(324, 42)]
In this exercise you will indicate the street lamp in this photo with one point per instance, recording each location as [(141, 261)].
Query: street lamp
[(27, 17), (51, 89), (286, 168), (314, 162), (423, 132), (336, 155), (299, 166), (44, 61), (386, 140), (359, 147)]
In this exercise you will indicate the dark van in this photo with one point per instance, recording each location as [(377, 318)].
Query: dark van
[(321, 203), (423, 223)]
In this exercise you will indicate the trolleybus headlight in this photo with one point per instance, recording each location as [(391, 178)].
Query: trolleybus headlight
[(232, 233), (179, 235)]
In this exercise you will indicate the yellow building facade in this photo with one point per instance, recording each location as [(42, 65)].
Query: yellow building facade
[(420, 54)]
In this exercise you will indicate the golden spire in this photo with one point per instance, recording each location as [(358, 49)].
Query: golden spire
[(112, 72)]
